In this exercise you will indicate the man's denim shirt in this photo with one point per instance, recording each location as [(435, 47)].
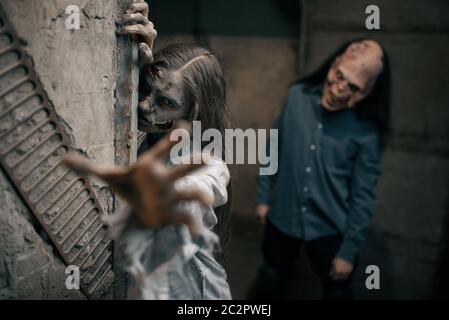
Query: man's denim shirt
[(329, 164)]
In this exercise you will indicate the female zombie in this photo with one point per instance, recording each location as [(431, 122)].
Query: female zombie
[(167, 229)]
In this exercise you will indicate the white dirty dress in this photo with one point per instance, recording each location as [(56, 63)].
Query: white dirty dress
[(167, 263)]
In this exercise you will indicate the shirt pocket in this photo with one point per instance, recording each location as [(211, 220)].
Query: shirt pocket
[(338, 152)]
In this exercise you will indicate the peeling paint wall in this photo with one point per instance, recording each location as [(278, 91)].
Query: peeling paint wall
[(78, 71)]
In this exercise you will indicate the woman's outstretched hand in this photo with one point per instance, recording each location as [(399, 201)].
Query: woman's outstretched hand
[(148, 185)]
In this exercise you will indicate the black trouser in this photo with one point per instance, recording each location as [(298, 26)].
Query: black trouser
[(280, 254)]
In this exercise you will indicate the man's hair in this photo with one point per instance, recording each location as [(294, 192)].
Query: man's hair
[(376, 106)]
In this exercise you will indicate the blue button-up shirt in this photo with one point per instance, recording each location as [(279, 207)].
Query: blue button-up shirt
[(329, 164)]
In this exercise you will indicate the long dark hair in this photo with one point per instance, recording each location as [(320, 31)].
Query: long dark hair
[(205, 81), (376, 106)]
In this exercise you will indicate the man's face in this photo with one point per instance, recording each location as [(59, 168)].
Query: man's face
[(162, 100), (352, 76)]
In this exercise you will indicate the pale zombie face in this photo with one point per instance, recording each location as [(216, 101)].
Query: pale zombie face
[(163, 99), (352, 76)]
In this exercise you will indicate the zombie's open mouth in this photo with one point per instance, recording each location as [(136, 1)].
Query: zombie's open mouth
[(167, 125), (333, 99), (158, 125)]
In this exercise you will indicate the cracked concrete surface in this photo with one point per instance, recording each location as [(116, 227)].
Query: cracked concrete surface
[(77, 69)]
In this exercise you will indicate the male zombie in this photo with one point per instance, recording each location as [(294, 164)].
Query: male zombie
[(167, 229), (331, 132)]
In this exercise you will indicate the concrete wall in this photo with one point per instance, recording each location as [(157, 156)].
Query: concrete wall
[(77, 69), (259, 71)]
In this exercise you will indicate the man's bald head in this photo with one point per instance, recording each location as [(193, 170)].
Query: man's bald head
[(365, 59), (353, 75)]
